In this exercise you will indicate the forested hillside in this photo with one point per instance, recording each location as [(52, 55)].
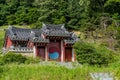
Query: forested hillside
[(76, 14)]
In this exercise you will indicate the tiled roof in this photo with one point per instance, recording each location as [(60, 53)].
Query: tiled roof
[(72, 39), (69, 41), (38, 35), (25, 34), (53, 27), (55, 30)]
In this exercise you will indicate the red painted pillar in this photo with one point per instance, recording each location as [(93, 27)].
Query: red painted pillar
[(73, 55), (9, 43), (46, 53), (62, 51), (34, 51)]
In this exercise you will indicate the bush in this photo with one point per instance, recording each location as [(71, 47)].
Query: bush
[(12, 57), (87, 53), (17, 58), (1, 61)]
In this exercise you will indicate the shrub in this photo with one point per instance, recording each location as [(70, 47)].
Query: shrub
[(1, 61), (17, 58), (87, 53), (12, 57)]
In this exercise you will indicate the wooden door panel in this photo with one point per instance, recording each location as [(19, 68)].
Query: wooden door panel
[(41, 52), (54, 47), (68, 54)]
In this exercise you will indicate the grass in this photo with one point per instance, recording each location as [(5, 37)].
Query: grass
[(7, 26), (52, 72), (2, 32), (39, 72)]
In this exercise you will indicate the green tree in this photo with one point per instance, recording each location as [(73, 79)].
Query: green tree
[(112, 6), (87, 53), (60, 11)]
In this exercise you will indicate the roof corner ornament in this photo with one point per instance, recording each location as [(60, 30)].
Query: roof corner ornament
[(32, 33), (43, 24), (10, 27), (62, 27), (75, 37)]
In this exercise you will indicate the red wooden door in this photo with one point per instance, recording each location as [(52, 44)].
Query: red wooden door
[(41, 52), (68, 54), (54, 47)]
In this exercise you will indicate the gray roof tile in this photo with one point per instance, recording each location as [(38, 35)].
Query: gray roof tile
[(35, 35), (55, 30)]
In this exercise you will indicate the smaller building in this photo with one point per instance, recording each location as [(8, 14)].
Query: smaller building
[(51, 42)]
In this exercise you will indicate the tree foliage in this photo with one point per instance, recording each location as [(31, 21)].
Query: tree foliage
[(87, 53), (75, 14), (17, 12)]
